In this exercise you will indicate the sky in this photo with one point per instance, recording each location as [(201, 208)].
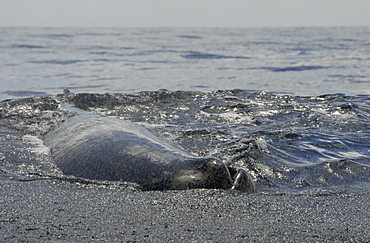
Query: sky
[(184, 13)]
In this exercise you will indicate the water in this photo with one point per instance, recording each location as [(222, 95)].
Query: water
[(292, 106), (297, 61), (287, 143)]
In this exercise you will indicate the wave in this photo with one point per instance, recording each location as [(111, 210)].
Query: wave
[(22, 93), (58, 62), (285, 142), (190, 36), (28, 46), (294, 68), (200, 55)]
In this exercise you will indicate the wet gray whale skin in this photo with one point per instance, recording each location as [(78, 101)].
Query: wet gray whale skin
[(104, 148)]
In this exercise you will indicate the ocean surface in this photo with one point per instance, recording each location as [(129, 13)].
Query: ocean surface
[(295, 61), (289, 105)]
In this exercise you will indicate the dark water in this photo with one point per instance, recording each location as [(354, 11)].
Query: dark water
[(287, 143)]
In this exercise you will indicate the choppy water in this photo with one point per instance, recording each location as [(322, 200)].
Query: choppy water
[(298, 61), (292, 106), (287, 143)]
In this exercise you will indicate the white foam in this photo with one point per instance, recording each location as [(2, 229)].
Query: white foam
[(231, 116), (38, 145)]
